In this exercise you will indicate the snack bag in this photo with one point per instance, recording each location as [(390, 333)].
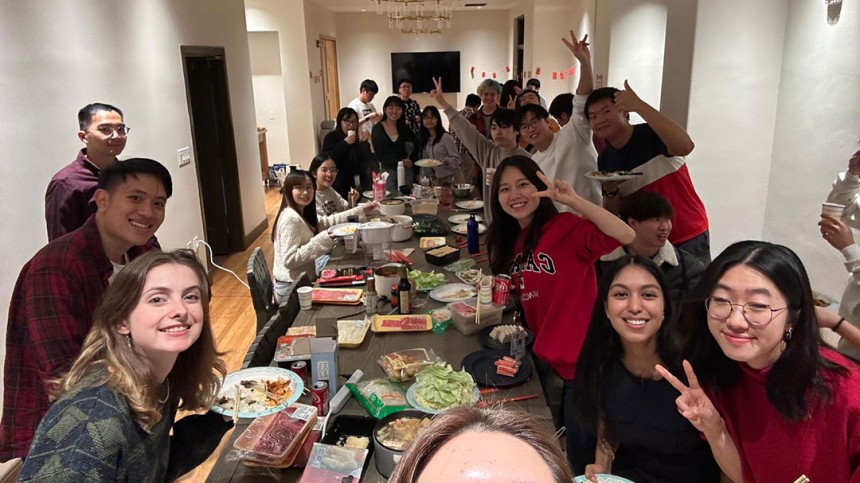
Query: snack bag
[(403, 365), (380, 397)]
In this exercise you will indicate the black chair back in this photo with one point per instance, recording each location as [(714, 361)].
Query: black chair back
[(262, 350), (262, 289)]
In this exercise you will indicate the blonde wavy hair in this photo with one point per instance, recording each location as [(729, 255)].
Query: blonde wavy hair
[(192, 379)]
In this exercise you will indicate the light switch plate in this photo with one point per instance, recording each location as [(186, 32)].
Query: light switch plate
[(183, 156)]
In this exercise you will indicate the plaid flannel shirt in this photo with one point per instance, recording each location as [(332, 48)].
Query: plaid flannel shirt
[(50, 314)]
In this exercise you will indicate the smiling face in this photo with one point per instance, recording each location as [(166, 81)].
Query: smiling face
[(100, 145), (529, 98), (132, 211), (325, 174), (651, 234), (405, 90), (303, 193), (490, 99), (168, 318), (758, 346), (635, 307), (515, 196), (535, 130), (605, 119), (430, 122), (393, 112)]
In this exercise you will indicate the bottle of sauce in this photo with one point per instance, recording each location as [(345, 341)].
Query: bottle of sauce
[(404, 289), (370, 297), (472, 235)]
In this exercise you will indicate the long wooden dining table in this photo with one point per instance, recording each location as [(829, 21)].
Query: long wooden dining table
[(451, 346)]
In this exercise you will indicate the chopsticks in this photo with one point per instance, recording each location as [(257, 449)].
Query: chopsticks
[(478, 304), (483, 404)]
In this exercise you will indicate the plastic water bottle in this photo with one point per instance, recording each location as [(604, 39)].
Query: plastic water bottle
[(472, 234), (401, 174)]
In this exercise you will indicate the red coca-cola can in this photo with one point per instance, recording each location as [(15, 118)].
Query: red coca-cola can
[(301, 369), (501, 289), (319, 397)]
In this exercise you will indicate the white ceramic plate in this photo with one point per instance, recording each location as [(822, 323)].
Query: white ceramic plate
[(453, 292), (463, 218), (602, 478), (610, 175), (228, 389), (470, 205), (428, 163), (343, 229), (463, 230), (410, 398), (369, 194)]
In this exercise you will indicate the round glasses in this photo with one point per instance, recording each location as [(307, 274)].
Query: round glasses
[(327, 170), (755, 313), (120, 130)]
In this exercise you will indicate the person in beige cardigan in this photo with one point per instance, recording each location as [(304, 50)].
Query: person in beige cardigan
[(299, 237)]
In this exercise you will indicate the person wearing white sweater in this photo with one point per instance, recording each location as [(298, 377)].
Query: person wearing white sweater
[(299, 237), (328, 201)]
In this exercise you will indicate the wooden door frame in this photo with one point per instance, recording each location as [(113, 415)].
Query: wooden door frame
[(335, 105)]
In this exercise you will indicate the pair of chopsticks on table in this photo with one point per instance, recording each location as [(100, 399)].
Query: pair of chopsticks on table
[(484, 403)]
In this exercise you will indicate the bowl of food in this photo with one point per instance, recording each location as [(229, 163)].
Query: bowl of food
[(402, 228), (393, 434), (392, 207), (462, 190)]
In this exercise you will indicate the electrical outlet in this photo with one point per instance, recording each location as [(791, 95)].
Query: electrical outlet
[(183, 156)]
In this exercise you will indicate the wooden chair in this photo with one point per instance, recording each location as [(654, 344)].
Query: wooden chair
[(262, 350), (262, 289)]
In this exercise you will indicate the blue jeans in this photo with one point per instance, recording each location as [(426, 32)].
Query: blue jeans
[(580, 444)]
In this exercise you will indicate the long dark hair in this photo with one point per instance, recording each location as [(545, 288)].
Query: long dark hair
[(797, 378), (396, 101), (504, 228), (424, 133), (602, 347), (318, 160), (295, 178), (343, 113)]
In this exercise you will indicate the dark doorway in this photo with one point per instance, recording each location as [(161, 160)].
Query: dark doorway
[(519, 47), (214, 146)]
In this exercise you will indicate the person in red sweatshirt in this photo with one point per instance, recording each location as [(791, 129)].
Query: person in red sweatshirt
[(771, 400), (550, 257)]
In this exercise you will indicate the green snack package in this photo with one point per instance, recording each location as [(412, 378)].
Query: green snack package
[(380, 397)]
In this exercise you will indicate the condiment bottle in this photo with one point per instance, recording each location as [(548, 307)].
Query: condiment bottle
[(404, 289), (447, 197), (370, 297), (472, 234)]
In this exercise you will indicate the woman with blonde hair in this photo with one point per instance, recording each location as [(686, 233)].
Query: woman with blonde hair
[(150, 352), (467, 444)]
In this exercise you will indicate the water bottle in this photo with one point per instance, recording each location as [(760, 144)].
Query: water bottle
[(401, 174), (472, 234)]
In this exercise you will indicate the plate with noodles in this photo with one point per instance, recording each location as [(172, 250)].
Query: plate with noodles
[(611, 175), (428, 163), (343, 229), (260, 390)]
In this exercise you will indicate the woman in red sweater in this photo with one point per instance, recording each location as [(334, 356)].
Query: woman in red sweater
[(773, 402), (550, 257)]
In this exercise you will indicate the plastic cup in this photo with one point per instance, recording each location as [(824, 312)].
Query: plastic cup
[(351, 132), (491, 172), (305, 297), (832, 209)]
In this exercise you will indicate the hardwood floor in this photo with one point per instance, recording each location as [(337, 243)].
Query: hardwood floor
[(234, 322)]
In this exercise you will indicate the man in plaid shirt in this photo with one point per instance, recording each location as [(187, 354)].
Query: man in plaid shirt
[(58, 289)]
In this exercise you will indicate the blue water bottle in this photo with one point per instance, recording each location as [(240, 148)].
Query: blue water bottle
[(472, 233)]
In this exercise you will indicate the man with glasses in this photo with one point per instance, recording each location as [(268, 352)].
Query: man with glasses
[(567, 155), (411, 110), (69, 198)]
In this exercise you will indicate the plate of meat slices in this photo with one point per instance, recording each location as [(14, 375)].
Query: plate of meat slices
[(259, 391), (611, 175)]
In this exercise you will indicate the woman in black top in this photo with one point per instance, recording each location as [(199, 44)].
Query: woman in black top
[(394, 142), (343, 150)]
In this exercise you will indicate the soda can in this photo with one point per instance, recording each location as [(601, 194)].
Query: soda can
[(501, 289), (319, 397), (301, 369)]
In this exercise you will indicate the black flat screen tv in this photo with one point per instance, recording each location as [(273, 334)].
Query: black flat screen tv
[(421, 67)]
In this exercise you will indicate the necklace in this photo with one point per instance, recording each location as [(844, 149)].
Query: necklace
[(166, 396)]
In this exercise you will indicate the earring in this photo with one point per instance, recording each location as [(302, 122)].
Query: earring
[(787, 335), (128, 341)]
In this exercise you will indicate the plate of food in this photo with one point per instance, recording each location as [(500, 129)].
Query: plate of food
[(261, 391), (463, 218), (602, 478), (369, 194), (428, 163), (463, 229), (611, 175), (470, 205), (453, 292), (438, 387), (484, 366), (343, 229)]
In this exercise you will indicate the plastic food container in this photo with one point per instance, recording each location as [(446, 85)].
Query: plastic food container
[(402, 228), (276, 439), (425, 207), (463, 316), (442, 255), (392, 207)]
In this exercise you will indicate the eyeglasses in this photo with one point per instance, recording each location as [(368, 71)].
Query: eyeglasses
[(328, 170), (531, 124), (755, 313), (120, 130), (305, 188)]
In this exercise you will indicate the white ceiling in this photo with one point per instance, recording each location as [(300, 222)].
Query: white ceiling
[(370, 6)]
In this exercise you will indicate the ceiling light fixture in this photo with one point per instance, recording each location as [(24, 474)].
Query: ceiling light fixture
[(416, 17)]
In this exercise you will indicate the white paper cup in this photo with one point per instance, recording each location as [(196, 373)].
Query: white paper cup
[(305, 300), (832, 209), (351, 132), (490, 172)]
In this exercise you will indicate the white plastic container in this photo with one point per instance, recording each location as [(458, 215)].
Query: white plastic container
[(463, 316), (425, 207)]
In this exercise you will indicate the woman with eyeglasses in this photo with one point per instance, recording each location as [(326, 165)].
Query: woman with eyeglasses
[(436, 143), (331, 207), (772, 401), (344, 151), (297, 237)]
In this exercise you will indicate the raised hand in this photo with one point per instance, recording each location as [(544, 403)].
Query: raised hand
[(836, 232), (854, 164), (354, 195), (437, 94), (628, 101), (579, 48), (693, 403), (557, 190)]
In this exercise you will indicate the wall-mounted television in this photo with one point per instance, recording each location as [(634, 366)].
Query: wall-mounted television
[(421, 67)]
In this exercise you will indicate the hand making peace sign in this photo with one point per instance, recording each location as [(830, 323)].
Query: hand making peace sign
[(693, 403)]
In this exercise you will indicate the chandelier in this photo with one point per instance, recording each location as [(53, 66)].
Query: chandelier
[(416, 16)]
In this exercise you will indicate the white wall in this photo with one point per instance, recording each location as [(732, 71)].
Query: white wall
[(318, 21), (550, 53), (817, 130), (365, 43), (288, 19), (59, 56), (269, 102)]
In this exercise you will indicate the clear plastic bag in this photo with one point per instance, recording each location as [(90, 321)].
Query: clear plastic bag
[(405, 365)]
